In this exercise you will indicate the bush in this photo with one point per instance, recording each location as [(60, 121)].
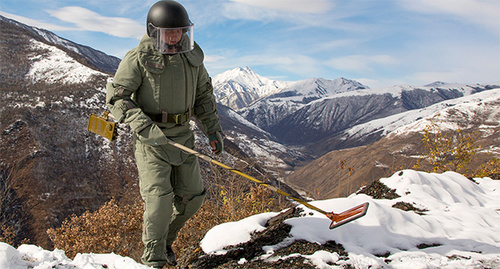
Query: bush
[(454, 151), (112, 228), (118, 229), (449, 151), (489, 169)]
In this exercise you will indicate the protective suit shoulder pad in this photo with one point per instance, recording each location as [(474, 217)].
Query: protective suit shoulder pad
[(154, 63), (196, 56)]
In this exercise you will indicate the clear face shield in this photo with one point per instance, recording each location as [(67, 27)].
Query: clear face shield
[(172, 40)]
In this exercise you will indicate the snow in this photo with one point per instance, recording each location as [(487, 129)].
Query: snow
[(243, 80), (240, 231), (461, 221), (45, 57), (459, 229), (459, 112), (318, 87), (30, 256), (418, 119)]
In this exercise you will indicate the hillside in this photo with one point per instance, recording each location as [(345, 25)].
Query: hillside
[(430, 221), (45, 150)]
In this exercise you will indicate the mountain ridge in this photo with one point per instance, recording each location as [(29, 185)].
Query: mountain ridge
[(98, 59), (294, 122)]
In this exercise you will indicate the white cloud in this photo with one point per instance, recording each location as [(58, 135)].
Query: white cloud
[(208, 14), (297, 64), (431, 76), (36, 23), (380, 82), (361, 63), (87, 20), (329, 45), (303, 13), (481, 12), (300, 6), (213, 58)]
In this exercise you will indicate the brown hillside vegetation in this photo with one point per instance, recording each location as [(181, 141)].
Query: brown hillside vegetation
[(342, 172)]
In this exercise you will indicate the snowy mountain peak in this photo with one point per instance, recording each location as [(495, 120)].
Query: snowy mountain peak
[(436, 84), (245, 76), (241, 86), (315, 88)]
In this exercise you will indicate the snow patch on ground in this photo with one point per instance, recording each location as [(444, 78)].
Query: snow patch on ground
[(52, 65), (457, 229)]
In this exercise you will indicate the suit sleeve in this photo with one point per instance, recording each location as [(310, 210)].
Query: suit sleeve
[(205, 107), (127, 80)]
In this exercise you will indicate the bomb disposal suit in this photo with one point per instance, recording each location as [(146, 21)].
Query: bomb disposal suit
[(158, 86)]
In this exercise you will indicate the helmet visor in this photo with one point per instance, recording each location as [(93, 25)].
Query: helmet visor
[(172, 40)]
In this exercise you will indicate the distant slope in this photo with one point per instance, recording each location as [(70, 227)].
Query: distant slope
[(98, 59), (274, 109), (324, 177), (317, 123)]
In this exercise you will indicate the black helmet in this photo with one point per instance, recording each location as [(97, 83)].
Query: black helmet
[(169, 27)]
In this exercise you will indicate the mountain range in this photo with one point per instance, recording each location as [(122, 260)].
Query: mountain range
[(314, 111), (294, 132)]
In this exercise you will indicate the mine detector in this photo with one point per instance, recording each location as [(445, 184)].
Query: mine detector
[(106, 127)]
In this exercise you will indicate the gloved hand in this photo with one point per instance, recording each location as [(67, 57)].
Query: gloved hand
[(216, 142), (152, 135)]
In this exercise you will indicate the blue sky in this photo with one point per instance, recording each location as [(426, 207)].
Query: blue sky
[(377, 42)]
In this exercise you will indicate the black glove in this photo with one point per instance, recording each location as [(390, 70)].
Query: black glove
[(216, 142)]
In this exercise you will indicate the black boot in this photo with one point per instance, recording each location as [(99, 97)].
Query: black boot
[(171, 256)]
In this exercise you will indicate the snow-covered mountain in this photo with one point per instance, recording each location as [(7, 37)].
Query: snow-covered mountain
[(299, 119), (305, 91), (98, 59), (409, 104), (482, 105), (272, 109), (396, 141), (239, 87)]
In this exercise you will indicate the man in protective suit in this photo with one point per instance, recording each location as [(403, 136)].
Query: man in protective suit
[(158, 86)]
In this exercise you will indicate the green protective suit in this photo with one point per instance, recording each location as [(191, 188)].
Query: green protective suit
[(155, 95)]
